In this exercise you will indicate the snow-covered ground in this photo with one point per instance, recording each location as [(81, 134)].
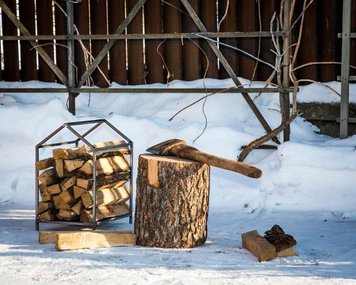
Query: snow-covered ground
[(308, 187)]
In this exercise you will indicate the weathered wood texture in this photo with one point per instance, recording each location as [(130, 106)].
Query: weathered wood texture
[(319, 42), (172, 202), (258, 246)]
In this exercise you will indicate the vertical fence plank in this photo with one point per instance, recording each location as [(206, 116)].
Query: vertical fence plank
[(135, 48), (208, 17), (11, 66), (45, 27), (308, 52), (353, 41), (81, 20), (153, 25), (173, 48), (118, 72), (228, 24), (98, 26), (267, 9), (328, 39), (28, 54), (61, 24), (247, 22), (191, 52)]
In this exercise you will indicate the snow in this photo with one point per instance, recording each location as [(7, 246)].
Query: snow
[(307, 187)]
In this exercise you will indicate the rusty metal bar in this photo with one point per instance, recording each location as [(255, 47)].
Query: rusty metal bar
[(145, 90), (263, 34)]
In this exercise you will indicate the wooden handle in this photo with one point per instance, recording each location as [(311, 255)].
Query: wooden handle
[(192, 153)]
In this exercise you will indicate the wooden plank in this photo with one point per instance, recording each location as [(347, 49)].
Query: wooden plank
[(208, 17), (153, 25), (172, 52), (246, 22), (46, 237), (28, 55), (228, 25), (61, 24), (11, 59), (84, 239), (44, 26), (345, 69), (191, 52), (81, 15), (118, 72), (98, 26), (258, 246), (135, 48)]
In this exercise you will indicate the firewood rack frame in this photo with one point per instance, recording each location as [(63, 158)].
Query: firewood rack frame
[(96, 151)]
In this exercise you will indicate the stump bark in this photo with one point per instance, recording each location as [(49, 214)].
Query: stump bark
[(172, 202)]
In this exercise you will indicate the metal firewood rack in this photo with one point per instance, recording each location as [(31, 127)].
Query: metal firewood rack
[(83, 138)]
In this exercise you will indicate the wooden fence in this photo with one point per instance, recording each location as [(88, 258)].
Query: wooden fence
[(139, 61)]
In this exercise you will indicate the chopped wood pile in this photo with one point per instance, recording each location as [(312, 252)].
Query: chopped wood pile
[(66, 184)]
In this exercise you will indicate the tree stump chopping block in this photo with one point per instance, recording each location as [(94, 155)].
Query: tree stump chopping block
[(172, 202)]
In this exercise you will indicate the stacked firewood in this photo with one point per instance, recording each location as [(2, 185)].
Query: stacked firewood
[(66, 184)]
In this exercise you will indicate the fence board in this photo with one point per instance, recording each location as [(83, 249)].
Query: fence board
[(81, 16), (308, 52), (190, 51), (135, 48), (247, 16), (11, 67), (267, 10), (118, 72), (61, 24), (229, 24), (353, 41), (208, 17), (44, 27), (98, 26), (173, 48), (28, 54)]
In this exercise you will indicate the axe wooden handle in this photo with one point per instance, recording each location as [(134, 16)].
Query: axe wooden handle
[(192, 153)]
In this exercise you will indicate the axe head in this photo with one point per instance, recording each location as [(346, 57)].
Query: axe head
[(164, 148)]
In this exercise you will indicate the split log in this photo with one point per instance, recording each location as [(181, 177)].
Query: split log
[(73, 164), (68, 182), (112, 194), (105, 212), (85, 239), (78, 208), (46, 237), (78, 191), (54, 189), (47, 216), (44, 163), (67, 215), (258, 246), (71, 153), (48, 177), (172, 202), (105, 166), (44, 206), (68, 196), (103, 180), (60, 204), (45, 196)]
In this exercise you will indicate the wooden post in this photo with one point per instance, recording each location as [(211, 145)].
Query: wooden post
[(345, 68), (172, 202), (284, 96)]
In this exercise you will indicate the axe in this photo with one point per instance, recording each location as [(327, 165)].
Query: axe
[(179, 148)]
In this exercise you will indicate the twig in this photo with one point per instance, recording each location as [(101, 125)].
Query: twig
[(169, 75)]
